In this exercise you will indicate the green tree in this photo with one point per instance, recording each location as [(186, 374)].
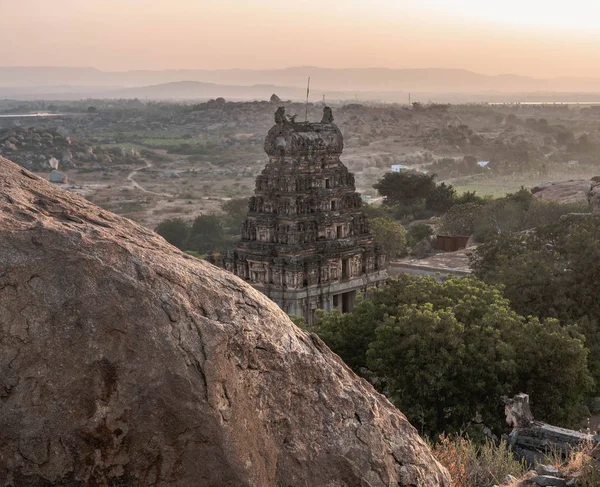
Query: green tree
[(447, 351), (550, 272), (391, 235), (175, 231), (469, 197), (461, 219), (441, 198), (406, 187), (417, 232), (235, 210), (207, 234)]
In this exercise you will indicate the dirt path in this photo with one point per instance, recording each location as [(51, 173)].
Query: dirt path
[(137, 185)]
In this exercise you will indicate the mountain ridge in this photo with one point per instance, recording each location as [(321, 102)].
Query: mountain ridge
[(433, 80)]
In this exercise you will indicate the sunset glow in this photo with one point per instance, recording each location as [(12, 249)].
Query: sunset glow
[(522, 37)]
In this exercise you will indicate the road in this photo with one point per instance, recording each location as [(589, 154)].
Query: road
[(137, 185)]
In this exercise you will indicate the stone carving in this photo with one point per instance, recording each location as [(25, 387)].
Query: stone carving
[(280, 115), (327, 115)]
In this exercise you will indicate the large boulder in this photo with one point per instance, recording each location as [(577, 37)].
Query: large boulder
[(126, 362), (565, 192)]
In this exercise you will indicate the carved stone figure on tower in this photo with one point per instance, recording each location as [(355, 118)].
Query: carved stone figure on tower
[(327, 115), (280, 115)]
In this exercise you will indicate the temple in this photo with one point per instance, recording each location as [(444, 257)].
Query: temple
[(305, 243)]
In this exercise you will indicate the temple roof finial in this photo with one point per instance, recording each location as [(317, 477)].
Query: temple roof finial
[(280, 115), (327, 115)]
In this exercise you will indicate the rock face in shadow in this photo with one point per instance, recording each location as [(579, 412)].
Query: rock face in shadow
[(125, 362)]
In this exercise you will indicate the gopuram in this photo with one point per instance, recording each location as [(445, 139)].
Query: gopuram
[(305, 243)]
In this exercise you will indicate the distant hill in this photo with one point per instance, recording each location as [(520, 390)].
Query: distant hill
[(432, 80), (190, 90)]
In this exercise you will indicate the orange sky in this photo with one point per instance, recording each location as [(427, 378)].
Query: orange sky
[(529, 37)]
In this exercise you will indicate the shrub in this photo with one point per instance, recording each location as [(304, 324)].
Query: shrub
[(391, 235), (448, 351), (472, 465)]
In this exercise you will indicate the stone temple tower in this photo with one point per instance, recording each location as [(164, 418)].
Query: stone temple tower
[(305, 243)]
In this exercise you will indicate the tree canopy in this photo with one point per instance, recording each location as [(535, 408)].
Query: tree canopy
[(391, 235), (550, 272), (447, 352), (405, 187)]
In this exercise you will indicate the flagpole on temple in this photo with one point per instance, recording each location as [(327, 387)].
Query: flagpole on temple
[(307, 92)]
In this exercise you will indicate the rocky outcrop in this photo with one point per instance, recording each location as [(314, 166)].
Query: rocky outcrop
[(126, 362), (579, 191), (43, 150)]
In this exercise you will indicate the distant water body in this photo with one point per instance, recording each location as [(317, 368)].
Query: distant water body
[(583, 103), (30, 115)]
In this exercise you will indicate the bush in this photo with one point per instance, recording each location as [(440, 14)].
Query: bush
[(418, 232), (175, 231), (550, 272), (391, 235), (448, 351), (460, 219), (472, 465)]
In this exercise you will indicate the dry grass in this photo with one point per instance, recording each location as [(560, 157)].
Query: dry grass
[(582, 466), (472, 465)]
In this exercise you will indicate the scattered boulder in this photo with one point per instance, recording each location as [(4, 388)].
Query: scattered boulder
[(127, 362), (423, 248), (574, 191), (549, 481), (58, 177), (594, 197), (275, 99), (548, 470)]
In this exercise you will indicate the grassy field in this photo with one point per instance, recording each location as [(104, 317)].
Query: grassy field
[(499, 186)]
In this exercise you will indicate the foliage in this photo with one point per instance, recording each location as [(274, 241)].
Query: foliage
[(206, 233), (235, 210), (449, 350), (414, 193), (513, 213), (175, 231), (299, 321), (405, 187), (418, 232), (551, 272), (440, 198), (469, 197), (474, 465), (582, 465), (460, 219), (391, 235)]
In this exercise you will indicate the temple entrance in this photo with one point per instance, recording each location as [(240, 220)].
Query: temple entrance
[(344, 301)]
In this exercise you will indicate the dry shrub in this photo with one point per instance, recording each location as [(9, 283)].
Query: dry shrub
[(472, 465), (582, 466)]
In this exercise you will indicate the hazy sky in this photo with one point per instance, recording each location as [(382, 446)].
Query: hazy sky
[(532, 37)]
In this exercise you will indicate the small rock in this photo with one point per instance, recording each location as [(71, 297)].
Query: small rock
[(548, 470), (510, 479), (549, 481)]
